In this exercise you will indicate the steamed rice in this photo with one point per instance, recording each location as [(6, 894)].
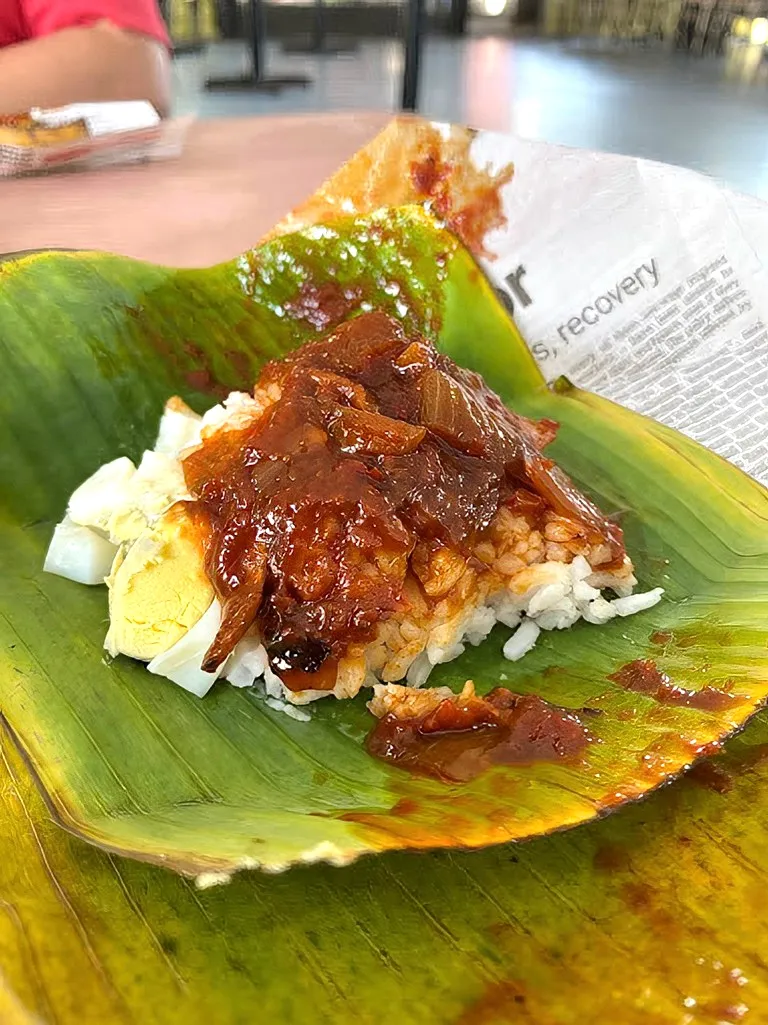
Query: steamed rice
[(546, 595), (525, 579)]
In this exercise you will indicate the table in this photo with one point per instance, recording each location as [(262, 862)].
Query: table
[(235, 179)]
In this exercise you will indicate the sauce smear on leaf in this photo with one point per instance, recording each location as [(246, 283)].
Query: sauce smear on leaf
[(644, 677), (460, 738)]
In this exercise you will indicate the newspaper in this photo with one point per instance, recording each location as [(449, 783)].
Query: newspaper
[(642, 282)]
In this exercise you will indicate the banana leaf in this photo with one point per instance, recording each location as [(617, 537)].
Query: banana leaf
[(654, 915), (91, 347)]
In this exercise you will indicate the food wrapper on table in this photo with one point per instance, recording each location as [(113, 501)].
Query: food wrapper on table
[(640, 281), (87, 135)]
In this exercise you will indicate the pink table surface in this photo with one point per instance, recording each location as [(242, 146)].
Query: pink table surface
[(235, 179)]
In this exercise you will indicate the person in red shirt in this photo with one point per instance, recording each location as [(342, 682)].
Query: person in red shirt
[(55, 52)]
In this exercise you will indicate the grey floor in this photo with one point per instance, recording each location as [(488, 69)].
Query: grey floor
[(710, 114)]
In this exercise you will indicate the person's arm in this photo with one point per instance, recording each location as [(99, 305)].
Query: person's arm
[(80, 65)]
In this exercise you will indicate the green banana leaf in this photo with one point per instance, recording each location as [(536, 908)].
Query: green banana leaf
[(92, 345), (653, 916)]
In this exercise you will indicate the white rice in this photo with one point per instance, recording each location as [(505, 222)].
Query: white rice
[(419, 670), (557, 605), (522, 640), (115, 504), (292, 710), (564, 593), (637, 602), (273, 684)]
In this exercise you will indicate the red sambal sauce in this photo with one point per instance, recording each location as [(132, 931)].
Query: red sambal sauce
[(466, 197), (643, 676), (457, 741), (313, 510)]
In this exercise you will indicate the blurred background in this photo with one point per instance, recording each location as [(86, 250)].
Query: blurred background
[(685, 82)]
